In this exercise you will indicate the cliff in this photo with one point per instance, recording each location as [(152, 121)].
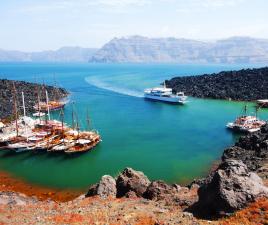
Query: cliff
[(138, 49), (30, 93), (244, 85)]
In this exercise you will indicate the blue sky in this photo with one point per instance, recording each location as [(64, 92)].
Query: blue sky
[(33, 25)]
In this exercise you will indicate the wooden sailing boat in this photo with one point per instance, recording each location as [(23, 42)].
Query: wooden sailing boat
[(54, 105), (86, 140)]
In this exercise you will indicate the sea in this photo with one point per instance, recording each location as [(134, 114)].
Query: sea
[(174, 143)]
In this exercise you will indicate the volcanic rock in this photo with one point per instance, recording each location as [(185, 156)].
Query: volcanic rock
[(131, 180), (245, 85), (159, 190), (105, 188), (231, 188), (252, 149)]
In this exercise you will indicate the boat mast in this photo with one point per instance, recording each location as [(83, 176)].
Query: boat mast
[(62, 125), (47, 106), (23, 104), (55, 93), (246, 109), (257, 110), (88, 121), (77, 126), (73, 115), (38, 104), (15, 109)]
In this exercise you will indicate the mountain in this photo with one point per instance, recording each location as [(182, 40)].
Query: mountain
[(64, 54), (140, 49)]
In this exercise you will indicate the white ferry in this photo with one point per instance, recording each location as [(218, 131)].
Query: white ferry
[(165, 94)]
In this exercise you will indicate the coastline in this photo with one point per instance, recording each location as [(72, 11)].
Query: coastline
[(10, 183)]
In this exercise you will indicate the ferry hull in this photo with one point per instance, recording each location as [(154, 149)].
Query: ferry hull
[(164, 99)]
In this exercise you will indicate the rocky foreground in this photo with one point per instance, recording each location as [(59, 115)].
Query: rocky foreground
[(242, 85), (30, 92), (234, 193)]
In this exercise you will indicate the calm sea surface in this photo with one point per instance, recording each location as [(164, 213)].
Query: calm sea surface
[(169, 142)]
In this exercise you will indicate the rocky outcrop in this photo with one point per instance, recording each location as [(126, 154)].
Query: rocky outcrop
[(11, 199), (245, 85), (133, 184), (131, 181), (252, 149), (30, 93), (105, 188), (232, 187), (159, 190)]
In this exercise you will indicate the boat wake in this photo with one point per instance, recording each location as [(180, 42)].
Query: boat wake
[(107, 86)]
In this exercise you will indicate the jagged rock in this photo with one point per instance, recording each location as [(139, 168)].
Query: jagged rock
[(131, 194), (159, 190), (131, 180), (105, 188), (171, 194), (252, 149), (231, 188)]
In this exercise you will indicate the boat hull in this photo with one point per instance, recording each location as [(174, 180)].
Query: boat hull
[(173, 100), (233, 127)]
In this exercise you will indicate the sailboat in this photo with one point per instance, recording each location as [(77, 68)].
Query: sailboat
[(85, 140), (38, 113), (54, 105), (246, 123)]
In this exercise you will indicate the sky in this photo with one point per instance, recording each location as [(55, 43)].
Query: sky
[(35, 25)]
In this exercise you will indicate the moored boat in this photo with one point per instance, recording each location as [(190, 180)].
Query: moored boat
[(262, 103), (246, 123)]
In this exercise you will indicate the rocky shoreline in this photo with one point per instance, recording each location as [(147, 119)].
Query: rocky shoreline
[(235, 183), (30, 93), (241, 85)]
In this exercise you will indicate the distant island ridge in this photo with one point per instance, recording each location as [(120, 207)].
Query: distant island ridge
[(138, 49)]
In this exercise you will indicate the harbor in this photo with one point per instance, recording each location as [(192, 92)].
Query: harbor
[(25, 133)]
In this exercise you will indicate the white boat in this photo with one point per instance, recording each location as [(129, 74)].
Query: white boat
[(246, 123), (20, 146), (263, 103), (165, 94), (39, 114)]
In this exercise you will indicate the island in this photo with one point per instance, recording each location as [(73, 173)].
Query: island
[(9, 88), (241, 85)]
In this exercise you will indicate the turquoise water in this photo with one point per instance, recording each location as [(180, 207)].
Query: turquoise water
[(170, 142)]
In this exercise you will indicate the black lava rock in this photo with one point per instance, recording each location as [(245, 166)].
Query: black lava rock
[(30, 91), (245, 85)]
